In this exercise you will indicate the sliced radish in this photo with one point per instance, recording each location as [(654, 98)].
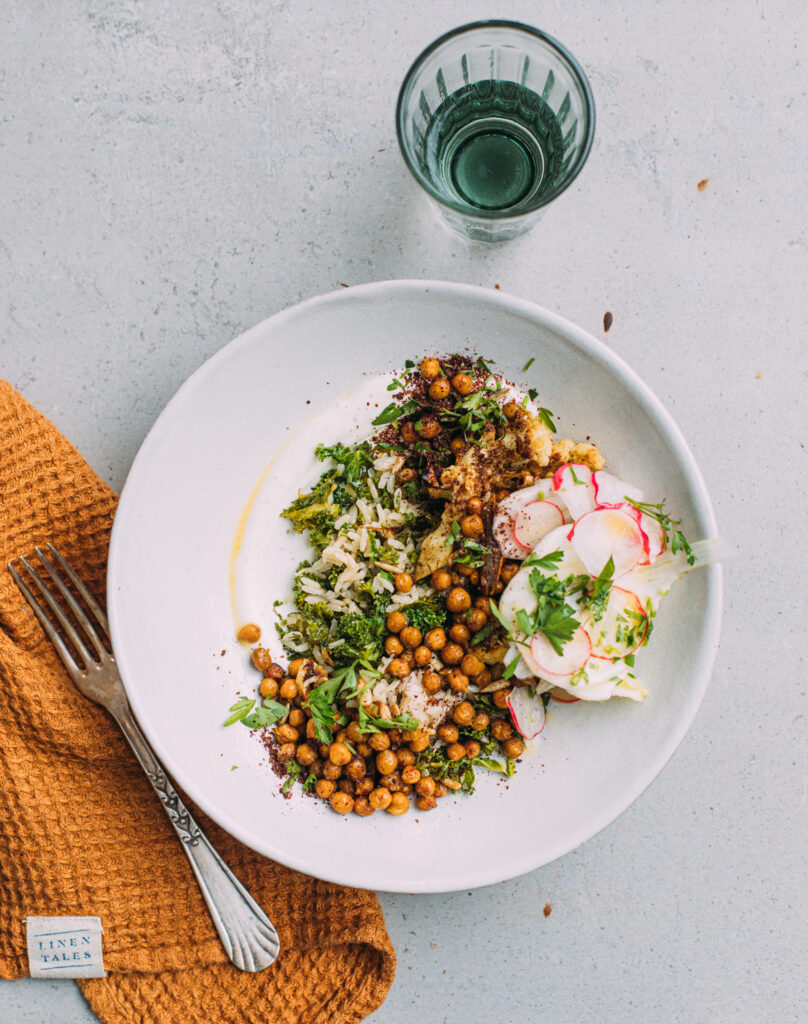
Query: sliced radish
[(608, 533), (622, 627), (527, 712), (611, 490), (505, 518), (561, 695), (573, 483), (573, 657), (655, 538), (534, 521)]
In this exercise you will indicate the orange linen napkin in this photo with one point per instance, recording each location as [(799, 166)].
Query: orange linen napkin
[(82, 833)]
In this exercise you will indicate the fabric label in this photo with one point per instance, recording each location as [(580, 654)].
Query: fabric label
[(65, 947)]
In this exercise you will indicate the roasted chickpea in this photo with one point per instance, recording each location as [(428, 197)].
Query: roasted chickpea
[(465, 571), (346, 786), (462, 383), (410, 637), (311, 729), (364, 750), (392, 782), (361, 806), (268, 688), (288, 690), (484, 678), (324, 788), (410, 775), (342, 802), (422, 656), (480, 721), (473, 748), (352, 731), (261, 658), (249, 633), (406, 475), (474, 506), (452, 654), (455, 751), (322, 750), (430, 368), (419, 743), (395, 737), (403, 582), (513, 747), (472, 526), (458, 445), (305, 755), (460, 633), (286, 752), (440, 790), (458, 600), (449, 733), (511, 410), (508, 571), (379, 741), (365, 786), (501, 730), (426, 803), (380, 798), (429, 428), (386, 762), (398, 667), (472, 665), (396, 621), (407, 431), (296, 665), (393, 645), (399, 804), (332, 771), (476, 619), (405, 757), (425, 786), (439, 388), (463, 714), (431, 682), (500, 697), (355, 768), (296, 718), (440, 579), (435, 639), (458, 681), (339, 754)]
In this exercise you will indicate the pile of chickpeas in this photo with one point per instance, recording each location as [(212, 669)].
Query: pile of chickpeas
[(363, 773)]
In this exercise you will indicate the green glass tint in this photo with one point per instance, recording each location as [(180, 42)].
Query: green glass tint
[(495, 120)]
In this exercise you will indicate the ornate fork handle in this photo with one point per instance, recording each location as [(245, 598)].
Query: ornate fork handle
[(247, 934)]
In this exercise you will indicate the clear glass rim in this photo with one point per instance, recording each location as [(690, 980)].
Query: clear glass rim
[(566, 57)]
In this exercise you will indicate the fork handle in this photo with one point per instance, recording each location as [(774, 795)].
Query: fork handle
[(248, 936)]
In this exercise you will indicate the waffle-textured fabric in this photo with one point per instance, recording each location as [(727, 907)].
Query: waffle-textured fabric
[(82, 833)]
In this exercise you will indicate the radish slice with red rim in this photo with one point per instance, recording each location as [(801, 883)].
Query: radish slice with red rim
[(559, 694), (527, 712), (573, 483), (621, 628), (534, 521), (611, 490), (573, 657), (608, 533), (505, 518)]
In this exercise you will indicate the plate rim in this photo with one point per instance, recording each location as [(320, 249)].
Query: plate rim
[(653, 407)]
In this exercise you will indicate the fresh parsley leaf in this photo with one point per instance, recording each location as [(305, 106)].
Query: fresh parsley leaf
[(395, 385), (547, 418), (553, 616), (676, 538), (268, 713), (598, 597), (408, 364), (482, 634), (293, 770), (321, 700), (394, 412), (548, 562)]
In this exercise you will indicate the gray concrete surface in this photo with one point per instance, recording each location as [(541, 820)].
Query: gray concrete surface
[(173, 173)]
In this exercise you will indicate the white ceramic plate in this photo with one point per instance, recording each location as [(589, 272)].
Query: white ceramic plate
[(239, 434)]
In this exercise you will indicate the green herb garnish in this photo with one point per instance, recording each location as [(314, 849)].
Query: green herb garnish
[(528, 364), (676, 538), (394, 412), (546, 417)]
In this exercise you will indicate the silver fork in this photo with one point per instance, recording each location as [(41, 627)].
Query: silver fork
[(247, 934)]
